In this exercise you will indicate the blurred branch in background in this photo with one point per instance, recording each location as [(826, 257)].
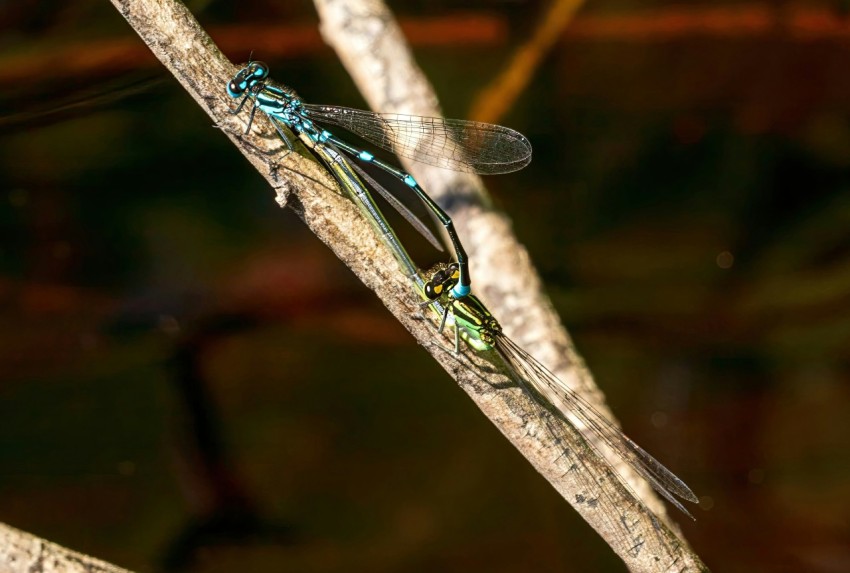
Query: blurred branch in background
[(497, 98)]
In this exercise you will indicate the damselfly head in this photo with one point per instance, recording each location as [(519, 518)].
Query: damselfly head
[(441, 279), (245, 79)]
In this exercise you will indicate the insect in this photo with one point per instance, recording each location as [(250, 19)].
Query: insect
[(449, 143), (480, 329)]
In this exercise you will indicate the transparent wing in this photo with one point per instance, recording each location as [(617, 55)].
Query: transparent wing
[(623, 535), (454, 144), (545, 384)]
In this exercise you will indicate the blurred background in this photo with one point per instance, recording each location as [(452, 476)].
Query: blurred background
[(192, 382)]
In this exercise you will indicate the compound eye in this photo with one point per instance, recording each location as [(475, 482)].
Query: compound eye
[(429, 291), (259, 70), (234, 89)]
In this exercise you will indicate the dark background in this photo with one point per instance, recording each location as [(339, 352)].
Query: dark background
[(191, 381)]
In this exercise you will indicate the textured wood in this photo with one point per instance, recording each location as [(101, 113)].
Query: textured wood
[(21, 552)]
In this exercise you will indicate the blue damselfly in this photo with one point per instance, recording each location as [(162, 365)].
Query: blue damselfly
[(449, 143)]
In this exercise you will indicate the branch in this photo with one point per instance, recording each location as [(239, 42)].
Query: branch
[(177, 39), (371, 46), (497, 98), (22, 552)]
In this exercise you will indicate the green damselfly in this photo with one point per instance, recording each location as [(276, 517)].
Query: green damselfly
[(479, 328)]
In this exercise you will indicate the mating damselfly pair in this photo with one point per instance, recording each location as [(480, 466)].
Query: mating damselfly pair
[(463, 146), (450, 143)]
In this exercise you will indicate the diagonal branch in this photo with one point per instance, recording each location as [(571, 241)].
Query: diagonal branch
[(179, 42), (22, 552)]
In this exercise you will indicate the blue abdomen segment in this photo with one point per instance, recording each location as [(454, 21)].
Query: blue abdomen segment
[(460, 291)]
